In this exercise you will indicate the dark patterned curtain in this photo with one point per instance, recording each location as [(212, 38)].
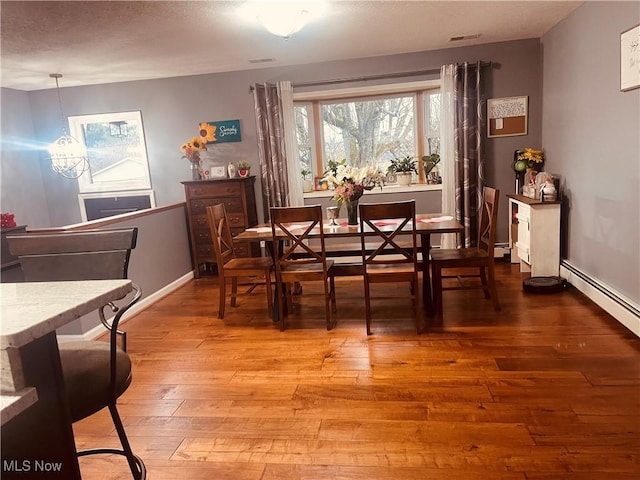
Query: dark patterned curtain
[(469, 158), (271, 147)]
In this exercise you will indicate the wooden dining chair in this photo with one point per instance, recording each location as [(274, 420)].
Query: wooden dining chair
[(390, 261), (230, 266), (95, 373), (479, 257), (292, 227)]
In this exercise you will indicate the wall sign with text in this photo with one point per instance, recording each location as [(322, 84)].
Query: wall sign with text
[(507, 117), (225, 131)]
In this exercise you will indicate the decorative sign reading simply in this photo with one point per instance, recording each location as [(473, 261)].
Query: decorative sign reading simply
[(507, 117), (630, 59), (225, 131)]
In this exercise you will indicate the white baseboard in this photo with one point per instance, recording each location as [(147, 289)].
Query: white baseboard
[(615, 304), (143, 304)]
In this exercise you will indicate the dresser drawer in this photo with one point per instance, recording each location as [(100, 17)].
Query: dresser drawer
[(202, 236), (215, 189), (204, 252), (236, 220), (242, 249), (231, 205)]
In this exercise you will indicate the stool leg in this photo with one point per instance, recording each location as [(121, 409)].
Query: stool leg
[(137, 471)]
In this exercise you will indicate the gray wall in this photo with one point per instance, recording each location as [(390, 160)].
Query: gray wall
[(591, 133), (160, 258), (172, 108), (22, 189)]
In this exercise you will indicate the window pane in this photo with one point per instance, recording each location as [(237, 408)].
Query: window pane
[(369, 132), (432, 122), (114, 156), (116, 150), (303, 135)]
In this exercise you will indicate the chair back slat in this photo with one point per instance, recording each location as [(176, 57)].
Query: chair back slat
[(404, 216), (75, 266), (297, 223), (220, 234), (488, 220), (78, 255)]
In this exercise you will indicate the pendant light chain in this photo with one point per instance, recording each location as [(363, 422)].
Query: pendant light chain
[(57, 76)]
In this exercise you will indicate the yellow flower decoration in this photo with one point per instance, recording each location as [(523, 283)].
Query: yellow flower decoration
[(531, 155), (198, 143), (208, 132)]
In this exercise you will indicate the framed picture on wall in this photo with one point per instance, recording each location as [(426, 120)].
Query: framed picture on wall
[(507, 117), (630, 59)]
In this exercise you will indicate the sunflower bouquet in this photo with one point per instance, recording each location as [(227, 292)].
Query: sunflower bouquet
[(191, 150)]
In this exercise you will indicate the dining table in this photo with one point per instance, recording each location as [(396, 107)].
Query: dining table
[(37, 435), (340, 231)]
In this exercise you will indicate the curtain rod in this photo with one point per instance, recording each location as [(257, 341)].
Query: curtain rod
[(373, 77)]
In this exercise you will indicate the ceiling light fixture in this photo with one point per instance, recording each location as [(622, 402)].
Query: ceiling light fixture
[(68, 155), (283, 18)]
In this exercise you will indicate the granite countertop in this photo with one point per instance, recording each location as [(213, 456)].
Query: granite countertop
[(31, 310)]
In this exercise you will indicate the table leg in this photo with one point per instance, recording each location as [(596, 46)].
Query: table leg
[(39, 443), (427, 293)]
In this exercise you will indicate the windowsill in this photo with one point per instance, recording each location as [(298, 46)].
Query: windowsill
[(416, 187)]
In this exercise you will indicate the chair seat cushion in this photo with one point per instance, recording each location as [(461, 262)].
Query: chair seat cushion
[(87, 376)]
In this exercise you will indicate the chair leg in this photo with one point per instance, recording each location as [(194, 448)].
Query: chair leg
[(267, 283), (135, 463), (494, 290), (437, 288), (367, 303), (280, 294), (416, 305), (223, 295), (485, 285), (328, 292), (332, 282), (234, 291)]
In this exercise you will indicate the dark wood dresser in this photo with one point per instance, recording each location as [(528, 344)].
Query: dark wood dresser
[(238, 196)]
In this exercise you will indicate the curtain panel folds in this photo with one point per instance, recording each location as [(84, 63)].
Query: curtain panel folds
[(271, 147), (464, 194)]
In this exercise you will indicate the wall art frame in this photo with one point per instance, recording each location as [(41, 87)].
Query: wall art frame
[(507, 117), (630, 59)]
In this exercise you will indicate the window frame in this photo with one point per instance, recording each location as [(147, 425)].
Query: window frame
[(319, 97)]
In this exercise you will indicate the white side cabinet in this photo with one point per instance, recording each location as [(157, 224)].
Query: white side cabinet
[(534, 235)]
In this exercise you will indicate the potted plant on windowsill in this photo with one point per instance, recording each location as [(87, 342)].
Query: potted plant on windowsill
[(307, 186), (244, 168), (431, 168), (403, 168)]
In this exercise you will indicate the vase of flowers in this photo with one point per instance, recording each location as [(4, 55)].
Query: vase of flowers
[(191, 151), (350, 184)]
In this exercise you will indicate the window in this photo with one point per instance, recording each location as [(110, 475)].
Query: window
[(117, 152), (368, 126)]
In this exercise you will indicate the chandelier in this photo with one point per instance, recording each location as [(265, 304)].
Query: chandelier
[(283, 18), (68, 155)]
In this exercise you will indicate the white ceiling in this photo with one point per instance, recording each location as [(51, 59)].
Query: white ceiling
[(93, 42)]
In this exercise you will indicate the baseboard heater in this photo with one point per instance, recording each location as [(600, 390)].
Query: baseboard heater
[(620, 308)]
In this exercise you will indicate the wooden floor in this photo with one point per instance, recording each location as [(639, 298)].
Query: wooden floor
[(547, 389)]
